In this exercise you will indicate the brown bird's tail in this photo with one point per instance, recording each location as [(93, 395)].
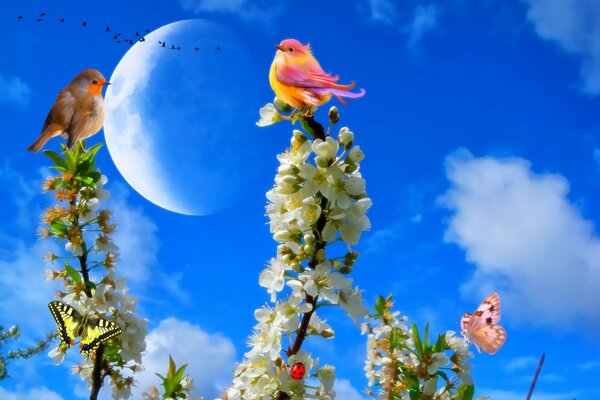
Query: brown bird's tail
[(46, 135)]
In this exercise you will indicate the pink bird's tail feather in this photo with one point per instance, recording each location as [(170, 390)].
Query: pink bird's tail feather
[(341, 93)]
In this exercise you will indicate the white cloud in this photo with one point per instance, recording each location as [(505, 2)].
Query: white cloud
[(526, 239), (263, 11), (384, 11), (425, 19), (588, 366), (198, 6), (575, 26), (210, 357), (136, 236), (39, 393), (520, 363), (344, 390), (14, 91)]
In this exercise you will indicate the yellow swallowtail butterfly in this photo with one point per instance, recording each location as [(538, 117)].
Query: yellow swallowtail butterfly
[(71, 324)]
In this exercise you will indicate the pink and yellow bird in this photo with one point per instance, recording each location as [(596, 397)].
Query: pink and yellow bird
[(298, 80)]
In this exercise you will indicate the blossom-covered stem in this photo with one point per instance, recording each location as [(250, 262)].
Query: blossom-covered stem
[(319, 246), (97, 375), (303, 326)]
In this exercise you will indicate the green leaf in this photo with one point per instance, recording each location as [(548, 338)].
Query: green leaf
[(91, 153), (90, 285), (162, 378), (426, 336), (172, 368), (443, 375), (56, 158), (58, 228), (73, 273), (168, 387), (70, 158), (440, 344), (88, 181), (465, 392), (414, 394), (417, 339), (179, 374)]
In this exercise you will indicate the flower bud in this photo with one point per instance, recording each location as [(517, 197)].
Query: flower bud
[(346, 137), (320, 255), (345, 270), (288, 169), (295, 266), (327, 333), (309, 239), (309, 249), (334, 115), (356, 155), (300, 136), (326, 149), (350, 168)]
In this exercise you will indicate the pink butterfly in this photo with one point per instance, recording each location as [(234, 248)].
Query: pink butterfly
[(481, 329)]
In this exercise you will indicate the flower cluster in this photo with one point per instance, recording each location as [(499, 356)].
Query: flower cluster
[(404, 365), (318, 199), (89, 282)]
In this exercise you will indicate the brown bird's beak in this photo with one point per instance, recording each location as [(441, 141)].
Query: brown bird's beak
[(280, 47)]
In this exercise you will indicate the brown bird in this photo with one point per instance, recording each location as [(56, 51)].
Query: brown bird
[(78, 111)]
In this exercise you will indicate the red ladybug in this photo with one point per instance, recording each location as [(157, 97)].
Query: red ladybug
[(297, 371)]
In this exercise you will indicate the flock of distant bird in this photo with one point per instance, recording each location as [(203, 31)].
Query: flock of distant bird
[(117, 38)]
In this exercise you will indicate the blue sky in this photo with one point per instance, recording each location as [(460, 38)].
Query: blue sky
[(482, 139)]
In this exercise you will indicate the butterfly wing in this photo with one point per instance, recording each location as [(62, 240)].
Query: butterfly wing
[(68, 321), (488, 338), (487, 313), (95, 331), (464, 322), (481, 327)]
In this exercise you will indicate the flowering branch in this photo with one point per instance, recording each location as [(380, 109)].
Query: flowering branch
[(402, 364), (318, 199), (101, 300)]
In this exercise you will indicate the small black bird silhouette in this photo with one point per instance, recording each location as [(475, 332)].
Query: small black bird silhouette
[(118, 33), (43, 14), (178, 48), (218, 49), (163, 44), (107, 29), (115, 37), (142, 40), (62, 19), (20, 17), (84, 23), (137, 34), (147, 30), (172, 47), (196, 48), (39, 20)]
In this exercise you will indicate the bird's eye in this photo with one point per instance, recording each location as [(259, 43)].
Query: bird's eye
[(291, 49), (95, 82)]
